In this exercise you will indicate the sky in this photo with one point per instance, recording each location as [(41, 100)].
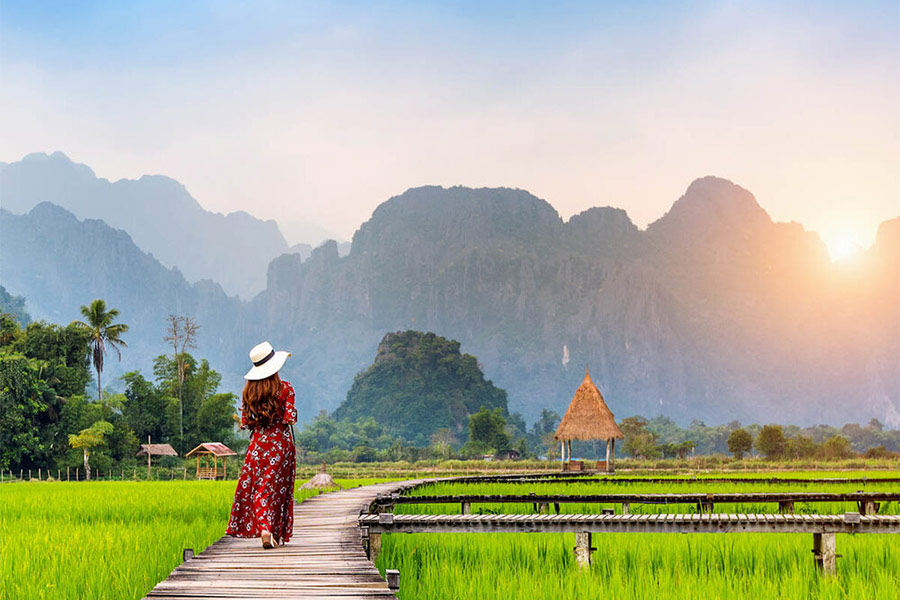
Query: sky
[(315, 113)]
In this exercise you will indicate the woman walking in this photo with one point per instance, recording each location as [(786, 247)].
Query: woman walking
[(264, 500)]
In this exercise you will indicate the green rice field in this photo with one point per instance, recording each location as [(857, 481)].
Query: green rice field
[(639, 565), (106, 540)]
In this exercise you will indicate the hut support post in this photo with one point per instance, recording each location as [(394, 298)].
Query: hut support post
[(583, 549), (607, 454), (148, 458), (569, 450), (610, 467), (562, 451), (374, 546), (825, 552)]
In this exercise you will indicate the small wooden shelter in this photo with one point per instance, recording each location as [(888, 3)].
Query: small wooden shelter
[(156, 450), (588, 418), (214, 450), (150, 450)]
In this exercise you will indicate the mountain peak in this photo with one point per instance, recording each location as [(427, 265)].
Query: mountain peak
[(711, 204)]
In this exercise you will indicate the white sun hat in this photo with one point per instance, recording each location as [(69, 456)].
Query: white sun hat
[(266, 361)]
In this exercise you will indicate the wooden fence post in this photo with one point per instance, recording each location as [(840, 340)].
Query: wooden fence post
[(786, 506), (626, 508), (465, 508), (67, 475)]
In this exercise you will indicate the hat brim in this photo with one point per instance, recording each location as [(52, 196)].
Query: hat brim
[(268, 368)]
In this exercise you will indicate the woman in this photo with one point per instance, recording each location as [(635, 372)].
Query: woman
[(264, 500)]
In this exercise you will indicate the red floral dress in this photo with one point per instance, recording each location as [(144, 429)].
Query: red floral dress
[(264, 498)]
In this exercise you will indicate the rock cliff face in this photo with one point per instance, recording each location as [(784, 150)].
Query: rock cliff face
[(714, 312), (158, 213)]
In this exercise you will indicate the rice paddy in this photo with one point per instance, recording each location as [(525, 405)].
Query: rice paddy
[(109, 540), (661, 566), (106, 540)]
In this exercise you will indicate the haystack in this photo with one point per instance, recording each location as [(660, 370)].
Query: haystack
[(321, 480), (588, 418)]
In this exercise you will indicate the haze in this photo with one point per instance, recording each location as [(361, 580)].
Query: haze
[(312, 114)]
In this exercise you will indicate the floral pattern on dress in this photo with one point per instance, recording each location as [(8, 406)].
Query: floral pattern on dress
[(264, 498)]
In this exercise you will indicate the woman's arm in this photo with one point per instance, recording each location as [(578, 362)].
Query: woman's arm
[(290, 411)]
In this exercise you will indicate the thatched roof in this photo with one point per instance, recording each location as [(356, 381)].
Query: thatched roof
[(588, 417), (157, 450), (214, 448)]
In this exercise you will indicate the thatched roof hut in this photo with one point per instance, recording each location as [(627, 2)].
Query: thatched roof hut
[(156, 450), (588, 418)]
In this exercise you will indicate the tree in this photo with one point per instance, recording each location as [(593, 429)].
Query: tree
[(102, 332), (144, 408), (24, 400), (835, 448), (182, 334), (442, 440), (800, 446), (771, 441), (540, 437), (487, 430), (639, 441), (740, 442), (88, 439)]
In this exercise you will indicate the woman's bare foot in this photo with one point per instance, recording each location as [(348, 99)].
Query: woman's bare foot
[(267, 540)]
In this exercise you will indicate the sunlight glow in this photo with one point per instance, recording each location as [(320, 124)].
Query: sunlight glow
[(843, 248)]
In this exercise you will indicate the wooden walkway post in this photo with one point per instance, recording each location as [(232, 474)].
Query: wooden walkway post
[(583, 549), (825, 552)]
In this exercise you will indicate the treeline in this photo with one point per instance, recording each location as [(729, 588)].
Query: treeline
[(491, 433), (47, 421)]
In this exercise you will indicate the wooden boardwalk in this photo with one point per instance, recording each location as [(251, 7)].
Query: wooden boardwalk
[(324, 559)]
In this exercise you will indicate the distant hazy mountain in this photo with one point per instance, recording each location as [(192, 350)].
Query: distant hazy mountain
[(714, 312), (59, 263), (158, 213)]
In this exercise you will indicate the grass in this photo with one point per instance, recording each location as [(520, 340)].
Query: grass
[(588, 487), (660, 566), (109, 540), (105, 540)]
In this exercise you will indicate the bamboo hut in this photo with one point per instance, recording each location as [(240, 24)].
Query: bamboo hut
[(150, 450), (214, 450), (588, 418)]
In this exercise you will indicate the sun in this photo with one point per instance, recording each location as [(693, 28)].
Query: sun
[(842, 248)]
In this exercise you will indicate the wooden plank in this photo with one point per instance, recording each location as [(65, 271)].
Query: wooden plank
[(325, 558), (694, 523)]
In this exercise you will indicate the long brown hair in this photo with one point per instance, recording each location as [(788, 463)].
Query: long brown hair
[(262, 403)]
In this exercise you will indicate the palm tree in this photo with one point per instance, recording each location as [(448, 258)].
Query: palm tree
[(102, 332)]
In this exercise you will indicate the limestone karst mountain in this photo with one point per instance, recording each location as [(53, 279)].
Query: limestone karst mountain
[(715, 312)]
